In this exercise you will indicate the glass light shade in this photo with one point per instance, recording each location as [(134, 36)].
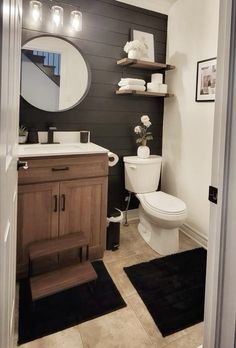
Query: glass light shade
[(76, 20), (36, 10), (57, 15)]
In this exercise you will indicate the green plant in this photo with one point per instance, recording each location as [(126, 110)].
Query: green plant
[(144, 135), (22, 131)]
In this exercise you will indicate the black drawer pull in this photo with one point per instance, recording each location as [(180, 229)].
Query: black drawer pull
[(63, 208), (55, 203), (60, 169)]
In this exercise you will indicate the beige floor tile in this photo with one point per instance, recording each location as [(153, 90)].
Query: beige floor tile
[(69, 338), (120, 329), (191, 340)]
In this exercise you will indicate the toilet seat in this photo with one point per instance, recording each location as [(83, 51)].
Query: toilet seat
[(159, 202)]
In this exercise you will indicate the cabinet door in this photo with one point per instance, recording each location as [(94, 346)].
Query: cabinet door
[(38, 216), (83, 208)]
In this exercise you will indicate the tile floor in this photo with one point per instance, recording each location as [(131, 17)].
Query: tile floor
[(130, 327)]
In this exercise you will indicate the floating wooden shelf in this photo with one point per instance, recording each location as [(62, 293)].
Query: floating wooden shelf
[(145, 94), (142, 64)]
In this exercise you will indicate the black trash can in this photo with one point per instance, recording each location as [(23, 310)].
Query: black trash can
[(113, 235)]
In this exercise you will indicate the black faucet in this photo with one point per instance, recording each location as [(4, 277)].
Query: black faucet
[(51, 130)]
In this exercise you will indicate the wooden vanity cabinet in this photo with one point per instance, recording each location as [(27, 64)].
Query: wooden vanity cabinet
[(62, 195)]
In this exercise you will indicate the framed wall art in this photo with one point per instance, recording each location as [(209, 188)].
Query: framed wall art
[(148, 40), (206, 80)]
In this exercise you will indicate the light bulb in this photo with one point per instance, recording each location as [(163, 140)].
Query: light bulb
[(36, 10), (57, 15), (76, 20)]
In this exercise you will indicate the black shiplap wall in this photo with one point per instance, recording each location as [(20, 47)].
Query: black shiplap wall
[(110, 118)]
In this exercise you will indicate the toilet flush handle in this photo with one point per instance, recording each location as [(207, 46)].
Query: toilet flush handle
[(133, 167)]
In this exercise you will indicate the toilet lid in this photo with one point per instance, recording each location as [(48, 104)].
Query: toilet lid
[(163, 202)]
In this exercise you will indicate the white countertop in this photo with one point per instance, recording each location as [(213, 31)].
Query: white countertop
[(42, 150)]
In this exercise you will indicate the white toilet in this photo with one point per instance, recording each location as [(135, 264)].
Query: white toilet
[(160, 214)]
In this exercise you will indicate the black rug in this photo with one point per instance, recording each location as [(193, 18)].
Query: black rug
[(68, 308), (172, 288)]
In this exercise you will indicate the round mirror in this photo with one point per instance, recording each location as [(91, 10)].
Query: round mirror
[(54, 74)]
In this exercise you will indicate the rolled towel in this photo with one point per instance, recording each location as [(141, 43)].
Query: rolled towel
[(153, 87), (157, 78), (163, 88), (133, 88), (157, 88), (128, 81)]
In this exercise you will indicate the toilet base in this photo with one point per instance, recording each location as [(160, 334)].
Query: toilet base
[(163, 241)]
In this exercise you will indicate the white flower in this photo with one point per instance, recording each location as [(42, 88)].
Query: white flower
[(147, 124), (134, 45), (137, 129), (145, 119)]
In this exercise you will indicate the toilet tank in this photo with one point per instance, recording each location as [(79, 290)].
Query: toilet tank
[(142, 175)]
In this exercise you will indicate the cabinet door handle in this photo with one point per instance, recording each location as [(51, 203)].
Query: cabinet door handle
[(63, 205), (55, 203), (58, 169)]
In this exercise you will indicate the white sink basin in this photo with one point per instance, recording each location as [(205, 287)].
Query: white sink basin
[(37, 150)]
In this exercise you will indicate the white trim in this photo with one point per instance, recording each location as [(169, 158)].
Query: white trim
[(195, 235)]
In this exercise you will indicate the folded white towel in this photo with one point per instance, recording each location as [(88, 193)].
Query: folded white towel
[(133, 88), (128, 81)]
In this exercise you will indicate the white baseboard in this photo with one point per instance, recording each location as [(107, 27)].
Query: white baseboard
[(195, 235)]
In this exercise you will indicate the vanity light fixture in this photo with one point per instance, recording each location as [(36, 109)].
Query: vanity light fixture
[(36, 10), (76, 20), (57, 15)]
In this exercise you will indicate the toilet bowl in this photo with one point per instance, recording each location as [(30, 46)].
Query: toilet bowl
[(160, 214)]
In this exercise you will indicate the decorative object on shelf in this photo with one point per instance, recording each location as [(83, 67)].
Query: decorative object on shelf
[(144, 136), (130, 84), (147, 40), (157, 86), (23, 134), (206, 80), (135, 49)]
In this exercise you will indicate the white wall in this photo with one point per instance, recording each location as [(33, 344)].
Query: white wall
[(161, 6), (188, 125)]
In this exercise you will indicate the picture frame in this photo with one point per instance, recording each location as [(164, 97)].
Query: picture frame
[(148, 40), (206, 80)]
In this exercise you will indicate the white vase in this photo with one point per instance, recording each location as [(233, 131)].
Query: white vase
[(134, 54), (143, 151), (22, 139)]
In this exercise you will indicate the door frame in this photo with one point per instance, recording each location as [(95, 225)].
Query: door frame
[(220, 300)]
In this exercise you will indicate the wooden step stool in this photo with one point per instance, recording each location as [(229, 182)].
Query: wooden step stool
[(64, 278)]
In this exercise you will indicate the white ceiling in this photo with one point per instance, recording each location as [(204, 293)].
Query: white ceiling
[(162, 6)]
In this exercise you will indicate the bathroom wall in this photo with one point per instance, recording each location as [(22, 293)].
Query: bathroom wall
[(188, 125), (110, 118), (162, 6)]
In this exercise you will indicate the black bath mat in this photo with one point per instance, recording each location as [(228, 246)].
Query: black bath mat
[(172, 288), (68, 308)]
